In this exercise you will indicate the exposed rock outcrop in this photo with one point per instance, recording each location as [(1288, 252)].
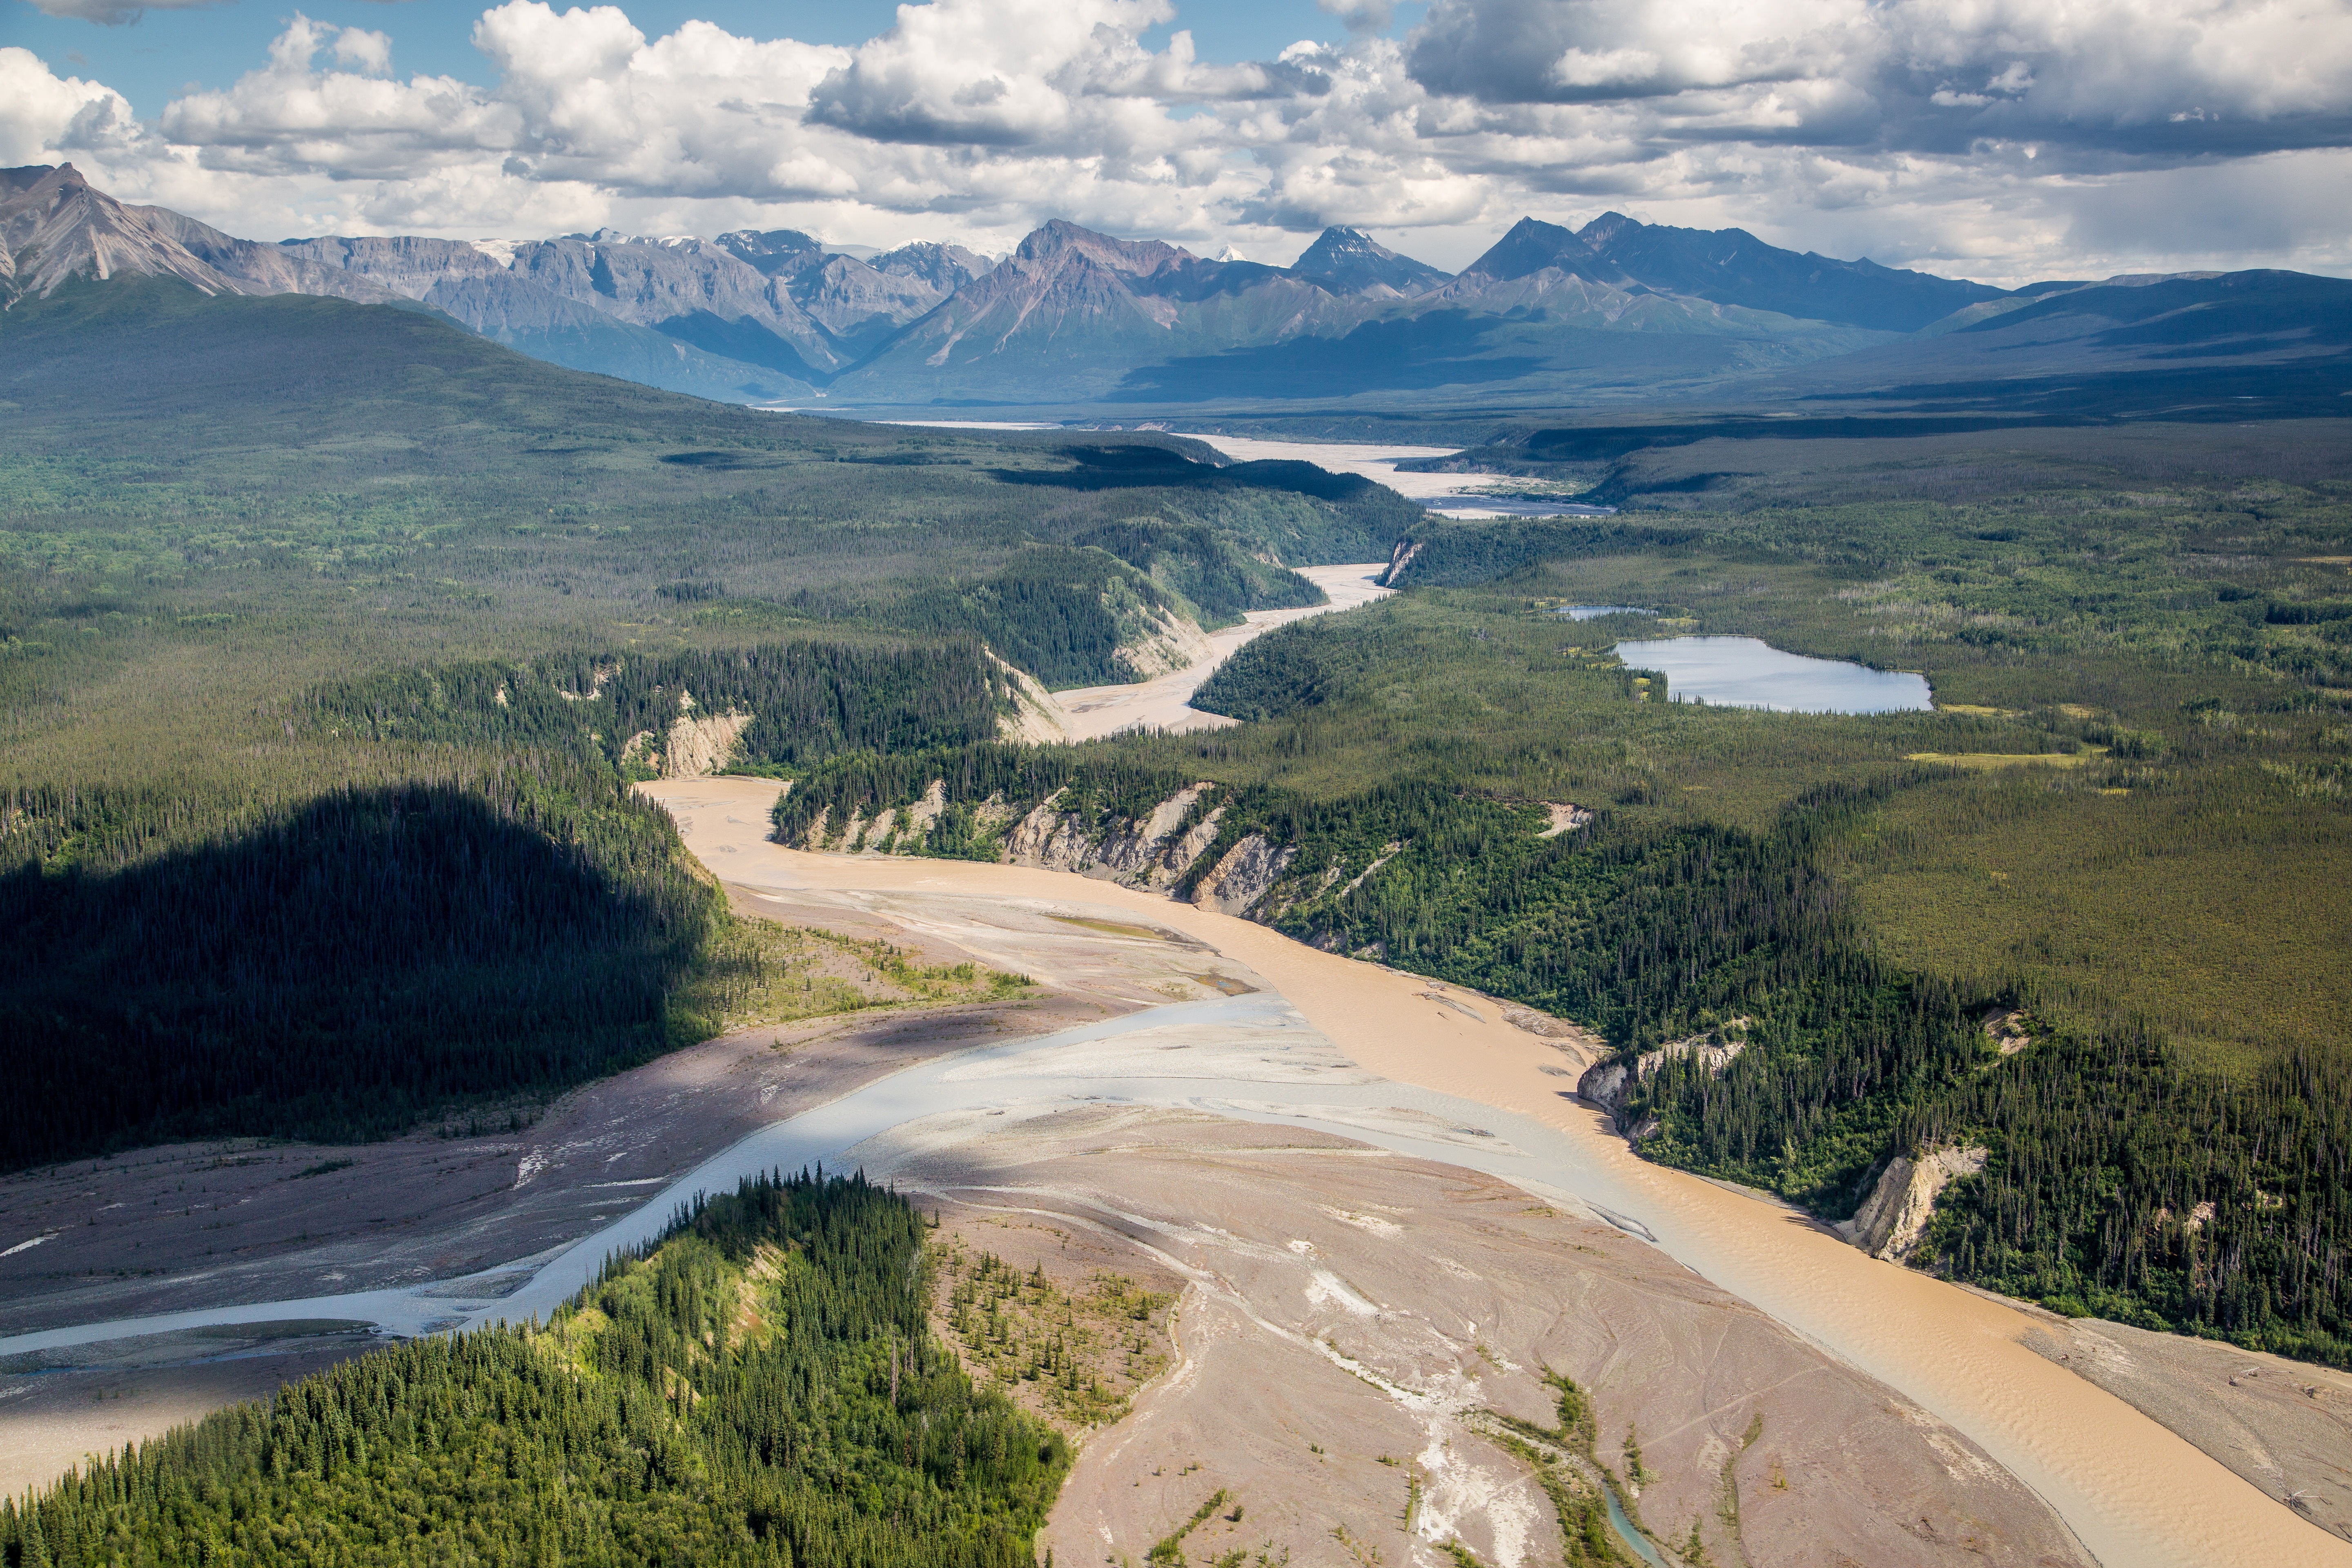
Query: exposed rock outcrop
[(1037, 720), (2009, 1030), (915, 822), (1564, 817), (1608, 1084), (1051, 838), (1137, 851), (1892, 1219), (1146, 853), (700, 745), (1248, 871), (1173, 642), (1177, 857)]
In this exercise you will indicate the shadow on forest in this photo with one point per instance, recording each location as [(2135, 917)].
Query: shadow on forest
[(338, 971)]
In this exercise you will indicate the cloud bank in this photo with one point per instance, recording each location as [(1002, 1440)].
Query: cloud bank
[(1996, 138)]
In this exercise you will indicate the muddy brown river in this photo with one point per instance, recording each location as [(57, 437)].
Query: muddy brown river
[(1391, 1060)]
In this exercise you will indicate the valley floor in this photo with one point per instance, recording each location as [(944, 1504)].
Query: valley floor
[(1164, 702), (1360, 1216)]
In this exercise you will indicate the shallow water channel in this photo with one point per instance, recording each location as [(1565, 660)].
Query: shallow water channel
[(1019, 1076), (1023, 1073), (1746, 672)]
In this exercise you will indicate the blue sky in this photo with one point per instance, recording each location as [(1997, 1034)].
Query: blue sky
[(2003, 140), (164, 52)]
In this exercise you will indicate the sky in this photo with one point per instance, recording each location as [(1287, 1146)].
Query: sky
[(2001, 140)]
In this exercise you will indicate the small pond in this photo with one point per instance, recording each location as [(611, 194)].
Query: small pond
[(1745, 672), (1594, 612)]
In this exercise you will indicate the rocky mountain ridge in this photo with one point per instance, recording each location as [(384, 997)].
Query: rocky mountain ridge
[(55, 226), (1617, 308)]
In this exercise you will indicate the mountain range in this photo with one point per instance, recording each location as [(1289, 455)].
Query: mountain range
[(1616, 310)]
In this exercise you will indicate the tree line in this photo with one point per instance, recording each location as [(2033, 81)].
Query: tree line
[(760, 1386)]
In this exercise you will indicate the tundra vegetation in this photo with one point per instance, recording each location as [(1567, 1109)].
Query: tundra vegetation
[(758, 1386)]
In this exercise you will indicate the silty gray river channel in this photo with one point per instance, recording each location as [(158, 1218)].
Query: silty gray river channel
[(1315, 1088)]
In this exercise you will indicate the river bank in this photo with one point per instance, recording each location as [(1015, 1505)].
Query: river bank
[(1243, 1027), (1164, 702), (2135, 1491)]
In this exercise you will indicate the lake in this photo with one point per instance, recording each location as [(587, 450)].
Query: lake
[(1594, 612), (1743, 672)]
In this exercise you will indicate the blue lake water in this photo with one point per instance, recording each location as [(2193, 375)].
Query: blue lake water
[(1743, 672), (1594, 612)]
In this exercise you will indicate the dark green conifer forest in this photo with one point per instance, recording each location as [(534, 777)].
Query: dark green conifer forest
[(760, 1386)]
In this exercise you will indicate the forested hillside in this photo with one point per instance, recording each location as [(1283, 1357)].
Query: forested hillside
[(785, 704), (761, 1387), (2089, 914), (328, 634), (338, 964)]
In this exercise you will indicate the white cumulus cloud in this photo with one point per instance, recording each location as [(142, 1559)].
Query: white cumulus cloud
[(2003, 138)]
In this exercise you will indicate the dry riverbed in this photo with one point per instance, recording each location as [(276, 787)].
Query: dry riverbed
[(203, 1225), (1165, 701), (1352, 1330)]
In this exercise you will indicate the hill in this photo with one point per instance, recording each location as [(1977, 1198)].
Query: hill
[(321, 620)]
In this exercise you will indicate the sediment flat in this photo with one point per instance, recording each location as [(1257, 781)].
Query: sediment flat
[(2134, 1492), (1297, 1146)]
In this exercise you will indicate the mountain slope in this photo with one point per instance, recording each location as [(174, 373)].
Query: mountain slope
[(1619, 311), (1735, 268), (751, 314), (1078, 316), (1072, 311), (2232, 345), (54, 224), (1349, 261), (54, 227)]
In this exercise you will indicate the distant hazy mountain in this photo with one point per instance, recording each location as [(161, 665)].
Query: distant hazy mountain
[(1072, 311), (1616, 310), (1349, 261), (773, 313), (1733, 267), (859, 299), (1532, 248), (2253, 344)]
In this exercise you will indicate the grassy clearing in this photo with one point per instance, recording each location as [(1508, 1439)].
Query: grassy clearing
[(1078, 1355), (1988, 762), (782, 974)]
